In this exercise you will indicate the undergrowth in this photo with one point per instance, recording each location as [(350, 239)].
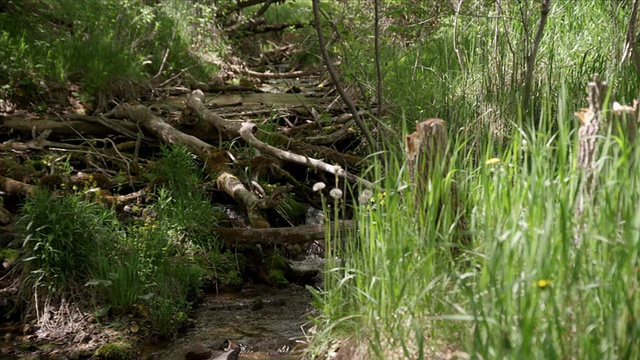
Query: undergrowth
[(149, 271), (101, 47)]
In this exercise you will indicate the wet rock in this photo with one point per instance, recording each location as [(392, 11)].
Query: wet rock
[(74, 355), (231, 354), (305, 272), (197, 352), (5, 216)]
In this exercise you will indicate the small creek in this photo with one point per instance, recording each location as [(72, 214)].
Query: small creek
[(267, 322)]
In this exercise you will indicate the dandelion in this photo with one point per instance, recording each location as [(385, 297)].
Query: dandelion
[(543, 283), (492, 161), (335, 193), (365, 196)]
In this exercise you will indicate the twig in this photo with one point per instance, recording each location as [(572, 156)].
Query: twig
[(457, 48), (166, 54), (336, 80)]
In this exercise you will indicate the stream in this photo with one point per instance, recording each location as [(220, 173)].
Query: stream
[(266, 322)]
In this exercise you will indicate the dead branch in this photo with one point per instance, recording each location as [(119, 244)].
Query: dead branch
[(234, 187), (271, 76), (336, 79), (248, 129), (331, 138), (213, 158), (86, 125), (228, 128), (11, 186)]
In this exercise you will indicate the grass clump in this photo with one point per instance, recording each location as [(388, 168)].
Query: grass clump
[(525, 289), (149, 271), (62, 237)]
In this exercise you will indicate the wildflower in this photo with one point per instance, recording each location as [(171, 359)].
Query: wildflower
[(318, 186), (365, 196), (543, 283), (335, 193), (492, 161)]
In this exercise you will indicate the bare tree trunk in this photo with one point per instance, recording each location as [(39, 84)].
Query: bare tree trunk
[(376, 37), (590, 121), (630, 46), (531, 57)]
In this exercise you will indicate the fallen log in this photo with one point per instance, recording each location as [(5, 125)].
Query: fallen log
[(280, 236), (195, 101), (214, 159), (86, 125), (272, 76), (11, 186)]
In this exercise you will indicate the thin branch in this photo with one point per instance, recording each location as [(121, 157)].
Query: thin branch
[(246, 132), (336, 80), (457, 48), (376, 36), (531, 58)]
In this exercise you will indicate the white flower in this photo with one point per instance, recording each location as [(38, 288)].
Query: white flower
[(318, 186), (335, 193), (365, 196)]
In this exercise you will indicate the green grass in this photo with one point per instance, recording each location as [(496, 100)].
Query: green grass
[(149, 272), (524, 290), (103, 46)]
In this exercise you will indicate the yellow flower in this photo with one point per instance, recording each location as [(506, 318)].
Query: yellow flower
[(543, 283), (492, 161)]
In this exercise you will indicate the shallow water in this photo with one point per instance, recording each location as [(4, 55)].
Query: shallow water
[(267, 322)]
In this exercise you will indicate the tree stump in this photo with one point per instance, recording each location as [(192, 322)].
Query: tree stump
[(621, 121), (427, 154)]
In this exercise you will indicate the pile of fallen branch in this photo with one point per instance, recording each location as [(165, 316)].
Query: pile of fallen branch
[(113, 143)]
